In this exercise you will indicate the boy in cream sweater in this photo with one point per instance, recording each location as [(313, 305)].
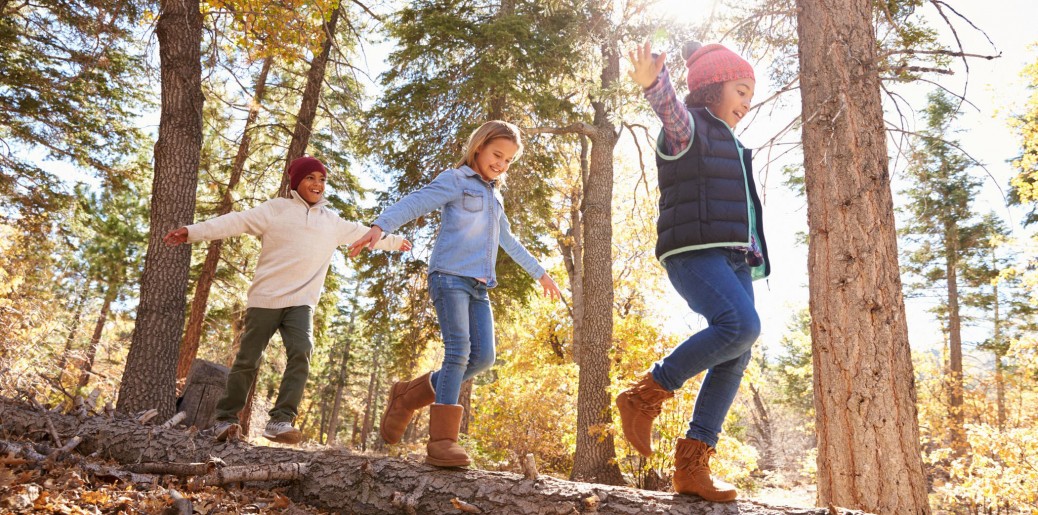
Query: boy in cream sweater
[(298, 237)]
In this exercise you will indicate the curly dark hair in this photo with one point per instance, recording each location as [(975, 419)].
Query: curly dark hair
[(705, 96)]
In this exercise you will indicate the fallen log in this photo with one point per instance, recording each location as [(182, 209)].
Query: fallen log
[(337, 479)]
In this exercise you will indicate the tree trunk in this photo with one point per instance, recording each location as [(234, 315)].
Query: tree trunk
[(149, 379), (958, 432), (1000, 380), (245, 415), (595, 458), (762, 423), (465, 399), (71, 339), (342, 482), (95, 339), (203, 389), (311, 97), (340, 387), (572, 247), (369, 405), (865, 399), (193, 334)]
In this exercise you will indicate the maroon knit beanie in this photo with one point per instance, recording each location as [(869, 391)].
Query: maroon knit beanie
[(301, 167), (713, 63)]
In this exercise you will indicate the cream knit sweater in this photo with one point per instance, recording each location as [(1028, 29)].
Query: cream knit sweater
[(297, 243)]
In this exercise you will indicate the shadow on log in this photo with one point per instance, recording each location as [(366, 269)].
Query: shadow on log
[(336, 479)]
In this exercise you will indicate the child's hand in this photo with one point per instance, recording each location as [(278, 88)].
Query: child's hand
[(405, 245), (369, 240), (550, 288), (646, 68), (175, 237)]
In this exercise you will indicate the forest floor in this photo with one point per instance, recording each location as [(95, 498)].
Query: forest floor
[(85, 485), (81, 485)]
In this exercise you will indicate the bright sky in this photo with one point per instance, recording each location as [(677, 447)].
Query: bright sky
[(994, 86), (996, 89)]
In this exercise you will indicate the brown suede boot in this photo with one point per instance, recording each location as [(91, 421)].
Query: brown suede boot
[(405, 397), (639, 405), (443, 449), (692, 472)]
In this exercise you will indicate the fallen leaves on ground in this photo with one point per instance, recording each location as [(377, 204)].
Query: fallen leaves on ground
[(77, 486)]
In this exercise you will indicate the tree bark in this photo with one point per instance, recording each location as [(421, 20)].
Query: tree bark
[(465, 399), (369, 408), (595, 458), (203, 389), (951, 265), (71, 339), (149, 379), (311, 97), (1000, 380), (338, 480), (193, 334), (340, 387), (95, 338), (865, 399), (572, 247)]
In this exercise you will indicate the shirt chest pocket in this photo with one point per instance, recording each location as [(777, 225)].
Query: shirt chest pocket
[(472, 201)]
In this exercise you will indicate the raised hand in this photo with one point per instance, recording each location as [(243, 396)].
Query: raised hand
[(646, 66)]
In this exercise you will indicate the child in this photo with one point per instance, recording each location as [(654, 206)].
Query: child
[(298, 237), (711, 243), (461, 270)]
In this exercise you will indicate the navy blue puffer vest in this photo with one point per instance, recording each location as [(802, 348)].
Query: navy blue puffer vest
[(706, 193)]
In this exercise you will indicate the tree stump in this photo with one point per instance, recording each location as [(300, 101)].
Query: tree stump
[(205, 384)]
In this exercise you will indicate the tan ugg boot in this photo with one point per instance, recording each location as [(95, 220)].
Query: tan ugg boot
[(692, 472), (443, 449), (405, 397), (639, 405)]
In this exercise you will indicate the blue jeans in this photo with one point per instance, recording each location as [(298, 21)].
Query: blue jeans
[(467, 325), (716, 283)]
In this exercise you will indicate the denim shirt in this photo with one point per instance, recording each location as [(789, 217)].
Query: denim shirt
[(472, 226)]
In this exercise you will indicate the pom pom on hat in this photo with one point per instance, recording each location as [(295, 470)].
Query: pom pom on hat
[(708, 64), (299, 168)]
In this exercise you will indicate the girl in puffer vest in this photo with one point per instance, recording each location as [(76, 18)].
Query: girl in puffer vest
[(710, 241)]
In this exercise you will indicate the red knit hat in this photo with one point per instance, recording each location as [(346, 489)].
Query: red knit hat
[(299, 168), (713, 63)]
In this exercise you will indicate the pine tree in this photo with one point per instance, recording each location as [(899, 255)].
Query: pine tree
[(863, 382), (942, 228)]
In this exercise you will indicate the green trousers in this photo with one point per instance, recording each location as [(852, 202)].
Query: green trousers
[(295, 325)]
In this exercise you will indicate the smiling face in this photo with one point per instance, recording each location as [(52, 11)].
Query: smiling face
[(735, 101), (493, 158), (311, 188)]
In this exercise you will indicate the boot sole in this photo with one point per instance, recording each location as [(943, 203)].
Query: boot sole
[(447, 463), (290, 438), (734, 496), (233, 432), (621, 404), (382, 422)]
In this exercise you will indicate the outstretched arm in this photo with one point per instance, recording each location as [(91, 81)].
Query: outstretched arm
[(647, 67), (651, 74)]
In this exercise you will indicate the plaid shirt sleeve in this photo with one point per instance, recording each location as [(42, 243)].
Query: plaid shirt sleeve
[(677, 124)]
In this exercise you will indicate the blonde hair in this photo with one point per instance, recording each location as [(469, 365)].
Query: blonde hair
[(494, 129)]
